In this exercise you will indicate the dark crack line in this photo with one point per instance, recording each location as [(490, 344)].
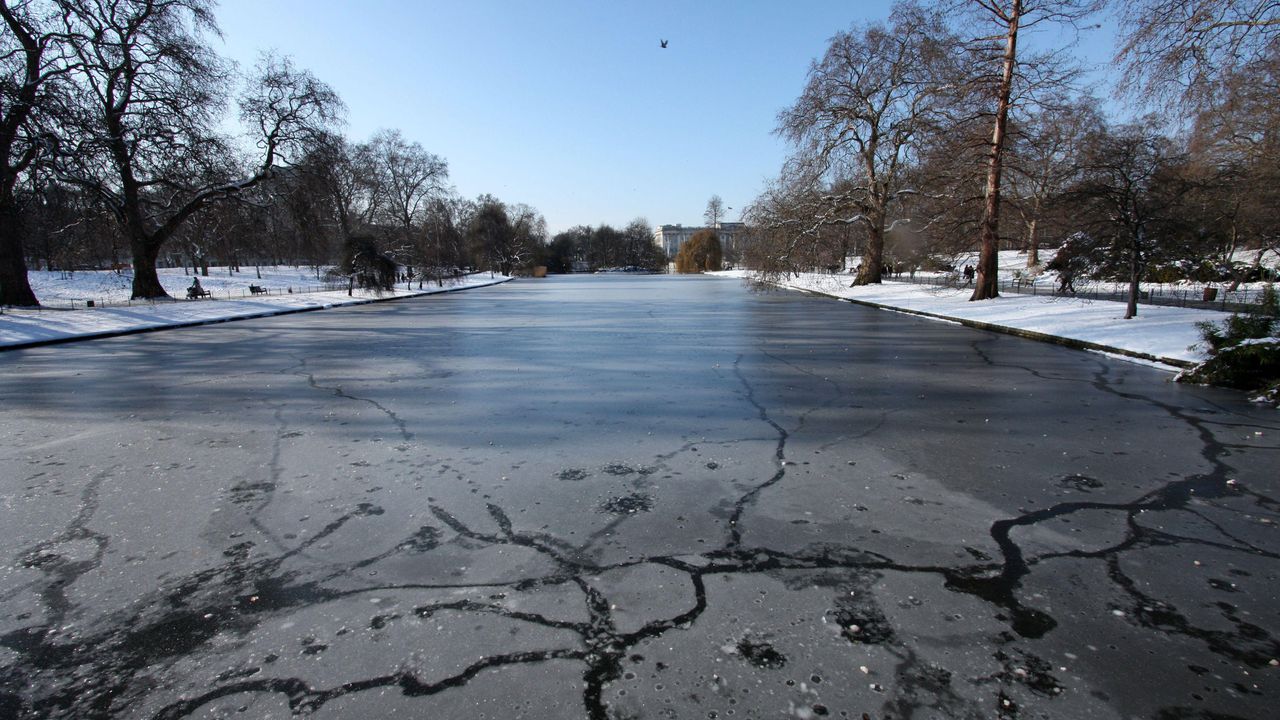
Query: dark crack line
[(303, 699), (779, 454), (339, 392), (837, 390), (59, 571), (1250, 644)]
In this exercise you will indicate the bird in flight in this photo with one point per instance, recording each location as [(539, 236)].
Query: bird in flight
[(663, 42)]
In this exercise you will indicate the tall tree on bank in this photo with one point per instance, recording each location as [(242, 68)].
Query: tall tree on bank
[(860, 117), (492, 236), (1007, 18), (151, 95), (32, 59)]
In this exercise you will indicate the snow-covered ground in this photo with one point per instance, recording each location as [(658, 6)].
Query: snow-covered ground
[(104, 287), (1012, 264), (1161, 332), (290, 290)]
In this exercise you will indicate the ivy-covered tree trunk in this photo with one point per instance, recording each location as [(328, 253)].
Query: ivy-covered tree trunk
[(15, 288)]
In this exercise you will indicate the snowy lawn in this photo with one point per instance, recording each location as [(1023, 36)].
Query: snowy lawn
[(231, 299), (1012, 265), (74, 289), (1163, 332)]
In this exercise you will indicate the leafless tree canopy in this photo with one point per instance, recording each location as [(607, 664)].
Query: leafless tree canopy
[(1186, 49), (114, 115), (923, 149), (858, 124), (714, 212)]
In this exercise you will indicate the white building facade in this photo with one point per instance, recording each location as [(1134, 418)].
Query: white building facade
[(671, 237)]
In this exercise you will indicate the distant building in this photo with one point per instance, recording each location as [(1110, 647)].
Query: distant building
[(671, 237)]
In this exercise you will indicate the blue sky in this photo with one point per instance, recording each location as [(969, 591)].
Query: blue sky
[(570, 106)]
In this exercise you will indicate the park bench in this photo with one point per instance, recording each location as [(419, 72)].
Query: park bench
[(257, 290), (196, 293)]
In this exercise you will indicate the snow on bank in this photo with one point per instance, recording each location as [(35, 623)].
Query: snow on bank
[(1162, 332), (73, 289), (22, 326)]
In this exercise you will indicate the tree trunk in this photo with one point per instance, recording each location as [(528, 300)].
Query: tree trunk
[(988, 280), (1033, 244), (1237, 276), (873, 259), (1135, 275), (15, 288), (1033, 241), (146, 282)]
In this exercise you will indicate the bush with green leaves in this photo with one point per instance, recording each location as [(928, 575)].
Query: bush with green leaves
[(1244, 351)]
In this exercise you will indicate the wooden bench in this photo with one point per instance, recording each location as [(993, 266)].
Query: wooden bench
[(197, 293), (257, 290)]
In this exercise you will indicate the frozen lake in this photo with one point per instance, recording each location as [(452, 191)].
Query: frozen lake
[(617, 497)]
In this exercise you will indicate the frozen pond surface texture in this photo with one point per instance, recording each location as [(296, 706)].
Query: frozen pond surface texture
[(628, 497)]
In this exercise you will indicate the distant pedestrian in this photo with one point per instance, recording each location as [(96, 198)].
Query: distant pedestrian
[(969, 273), (1066, 282)]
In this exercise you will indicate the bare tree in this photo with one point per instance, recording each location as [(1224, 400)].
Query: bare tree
[(860, 118), (1133, 190), (949, 176), (489, 232), (1006, 19), (785, 234), (714, 212), (1236, 142), (34, 57), (528, 233), (411, 177), (151, 93), (1044, 160), (440, 242), (1180, 49)]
